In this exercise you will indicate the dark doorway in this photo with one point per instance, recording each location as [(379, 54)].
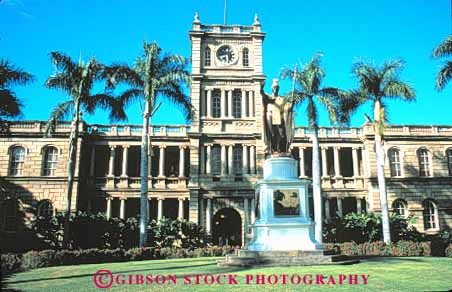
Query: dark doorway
[(227, 227)]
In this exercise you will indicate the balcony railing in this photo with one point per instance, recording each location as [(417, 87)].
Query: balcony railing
[(135, 182), (135, 130)]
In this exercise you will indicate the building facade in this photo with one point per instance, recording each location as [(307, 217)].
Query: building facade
[(205, 172)]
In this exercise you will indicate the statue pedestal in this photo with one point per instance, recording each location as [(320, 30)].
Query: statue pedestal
[(282, 210), (283, 234)]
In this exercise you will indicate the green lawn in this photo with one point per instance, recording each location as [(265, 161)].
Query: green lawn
[(385, 274)]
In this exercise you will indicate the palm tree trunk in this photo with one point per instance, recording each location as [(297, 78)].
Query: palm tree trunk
[(144, 177), (380, 172), (316, 185), (71, 172)]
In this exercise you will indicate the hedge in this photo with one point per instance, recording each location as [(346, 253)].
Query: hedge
[(400, 248), (11, 263)]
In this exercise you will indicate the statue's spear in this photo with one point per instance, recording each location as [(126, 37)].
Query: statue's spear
[(293, 82)]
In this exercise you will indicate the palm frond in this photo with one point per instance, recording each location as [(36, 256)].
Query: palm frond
[(444, 49), (395, 88), (390, 70), (121, 73), (59, 113), (444, 75), (10, 74), (10, 105), (349, 103), (63, 62)]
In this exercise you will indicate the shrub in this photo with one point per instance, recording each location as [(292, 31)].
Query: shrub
[(11, 263), (448, 252)]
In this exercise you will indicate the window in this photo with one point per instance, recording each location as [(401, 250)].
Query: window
[(400, 208), (449, 160), (216, 160), (237, 104), (50, 161), (245, 57), (394, 162), (207, 58), (430, 215), (16, 162), (216, 106), (45, 209), (238, 160), (424, 162)]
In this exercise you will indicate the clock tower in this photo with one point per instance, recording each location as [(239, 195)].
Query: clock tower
[(226, 132)]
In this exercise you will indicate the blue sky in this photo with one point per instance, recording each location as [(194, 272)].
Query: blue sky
[(344, 31)]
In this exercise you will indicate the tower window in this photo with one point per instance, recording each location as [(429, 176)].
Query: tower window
[(207, 56), (424, 162), (245, 57), (238, 160), (50, 161), (237, 104), (394, 162), (16, 160), (216, 105)]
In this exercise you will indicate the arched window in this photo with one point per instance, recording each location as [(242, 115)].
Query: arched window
[(45, 209), (216, 160), (424, 162), (449, 160), (16, 160), (207, 56), (237, 104), (394, 162), (245, 57), (430, 215), (238, 160), (50, 161), (400, 208)]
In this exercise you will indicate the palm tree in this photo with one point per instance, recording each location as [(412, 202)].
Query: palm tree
[(308, 87), (445, 73), (10, 105), (376, 84), (153, 76), (77, 80)]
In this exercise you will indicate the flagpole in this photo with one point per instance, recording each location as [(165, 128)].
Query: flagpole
[(225, 15)]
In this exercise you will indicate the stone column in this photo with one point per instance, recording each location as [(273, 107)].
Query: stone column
[(159, 209), (93, 161), (208, 159), (108, 215), (125, 157), (339, 207), (251, 103), (122, 208), (355, 162), (223, 104), (243, 104), (253, 208), (337, 166), (327, 208), (301, 161), (324, 162), (182, 161), (162, 161), (111, 165), (245, 159), (209, 216), (358, 206), (209, 103), (180, 211), (231, 159), (252, 159), (223, 160), (230, 103), (202, 159), (245, 221)]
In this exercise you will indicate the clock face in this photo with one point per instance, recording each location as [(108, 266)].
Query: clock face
[(226, 55)]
